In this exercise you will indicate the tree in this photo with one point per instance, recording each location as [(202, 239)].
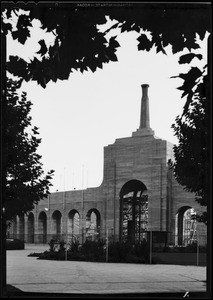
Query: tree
[(192, 154), (79, 45), (23, 178)]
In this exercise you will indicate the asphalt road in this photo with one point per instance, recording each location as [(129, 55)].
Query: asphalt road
[(29, 274)]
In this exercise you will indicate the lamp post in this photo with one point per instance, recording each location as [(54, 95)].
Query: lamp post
[(46, 235), (66, 242), (107, 245), (150, 241)]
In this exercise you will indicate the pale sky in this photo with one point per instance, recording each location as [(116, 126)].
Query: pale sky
[(79, 116)]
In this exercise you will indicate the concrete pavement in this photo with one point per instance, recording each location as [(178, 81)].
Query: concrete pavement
[(45, 276)]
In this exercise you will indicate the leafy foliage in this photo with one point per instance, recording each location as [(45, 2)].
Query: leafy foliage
[(80, 45), (192, 154), (96, 251), (23, 177)]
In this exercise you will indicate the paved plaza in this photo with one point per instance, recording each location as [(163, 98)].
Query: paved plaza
[(29, 274)]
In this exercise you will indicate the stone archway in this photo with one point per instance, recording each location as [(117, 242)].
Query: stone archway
[(93, 223), (14, 227), (21, 227), (56, 224), (30, 228), (73, 225), (133, 211), (185, 226), (42, 227)]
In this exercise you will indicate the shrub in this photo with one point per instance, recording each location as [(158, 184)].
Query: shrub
[(96, 251), (14, 244), (62, 246), (50, 255), (73, 246), (53, 244), (118, 251), (126, 252), (93, 250), (133, 259), (34, 254)]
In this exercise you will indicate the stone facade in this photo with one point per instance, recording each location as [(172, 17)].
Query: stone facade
[(137, 163)]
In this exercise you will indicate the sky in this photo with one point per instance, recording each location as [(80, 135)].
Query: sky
[(79, 116)]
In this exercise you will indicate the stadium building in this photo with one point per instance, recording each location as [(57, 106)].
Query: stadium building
[(138, 196)]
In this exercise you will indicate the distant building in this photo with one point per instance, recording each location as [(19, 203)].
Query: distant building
[(138, 195)]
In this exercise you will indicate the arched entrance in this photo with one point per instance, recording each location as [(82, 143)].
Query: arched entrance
[(93, 222), (133, 211), (56, 224), (21, 227), (73, 225), (42, 227), (185, 227), (30, 228), (14, 228)]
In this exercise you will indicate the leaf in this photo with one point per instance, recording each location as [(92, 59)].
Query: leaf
[(136, 27), (15, 34), (23, 22), (113, 42), (144, 43), (112, 27), (112, 56), (43, 49), (190, 43), (160, 48), (17, 66), (8, 13), (22, 35), (190, 80), (6, 27), (126, 26), (187, 58)]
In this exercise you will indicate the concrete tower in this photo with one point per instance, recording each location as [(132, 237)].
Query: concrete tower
[(144, 128), (144, 118)]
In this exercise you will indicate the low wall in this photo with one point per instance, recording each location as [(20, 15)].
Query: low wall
[(179, 258)]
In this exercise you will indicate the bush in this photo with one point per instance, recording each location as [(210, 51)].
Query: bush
[(133, 259), (62, 246), (73, 246), (95, 251), (74, 256), (52, 255), (126, 252), (118, 251), (53, 244), (34, 254), (14, 244)]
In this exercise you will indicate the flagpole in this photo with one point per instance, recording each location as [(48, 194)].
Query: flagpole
[(82, 202)]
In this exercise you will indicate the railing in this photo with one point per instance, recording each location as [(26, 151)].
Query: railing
[(159, 238), (159, 244)]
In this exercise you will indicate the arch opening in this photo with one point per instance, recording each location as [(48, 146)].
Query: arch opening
[(21, 227), (185, 226), (73, 225), (56, 224), (93, 224), (133, 211), (14, 227), (42, 227), (30, 228)]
